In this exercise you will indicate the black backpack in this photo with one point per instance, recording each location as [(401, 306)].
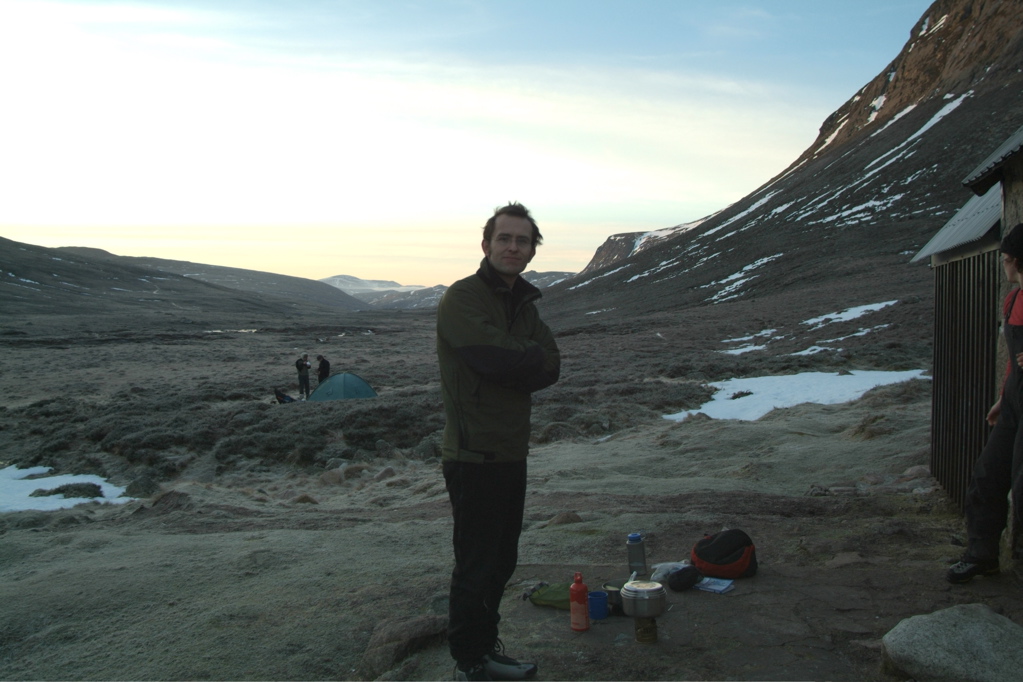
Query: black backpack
[(728, 554)]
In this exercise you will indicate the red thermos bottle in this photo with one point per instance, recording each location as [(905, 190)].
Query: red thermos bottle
[(579, 609)]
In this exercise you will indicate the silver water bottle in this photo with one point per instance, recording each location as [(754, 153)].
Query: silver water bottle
[(637, 553)]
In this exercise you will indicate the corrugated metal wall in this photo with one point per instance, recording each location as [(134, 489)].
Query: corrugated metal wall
[(967, 318)]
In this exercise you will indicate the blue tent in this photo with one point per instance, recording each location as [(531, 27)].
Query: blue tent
[(344, 386)]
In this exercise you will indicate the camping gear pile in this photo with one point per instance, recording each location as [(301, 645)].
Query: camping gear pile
[(714, 562)]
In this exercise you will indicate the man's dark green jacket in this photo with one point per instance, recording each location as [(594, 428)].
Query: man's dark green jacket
[(494, 350)]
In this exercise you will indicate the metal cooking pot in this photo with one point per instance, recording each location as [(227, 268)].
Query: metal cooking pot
[(614, 591), (643, 598)]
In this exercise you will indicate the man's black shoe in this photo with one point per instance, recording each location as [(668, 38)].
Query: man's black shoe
[(471, 671), (964, 570), (501, 667)]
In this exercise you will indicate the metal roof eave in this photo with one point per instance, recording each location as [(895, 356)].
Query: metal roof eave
[(969, 224), (988, 172)]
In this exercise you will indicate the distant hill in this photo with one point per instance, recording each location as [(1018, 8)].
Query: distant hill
[(292, 289), (72, 279), (404, 300), (391, 295), (354, 286), (40, 280)]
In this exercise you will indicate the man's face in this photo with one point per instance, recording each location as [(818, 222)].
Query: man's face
[(510, 247), (1010, 266)]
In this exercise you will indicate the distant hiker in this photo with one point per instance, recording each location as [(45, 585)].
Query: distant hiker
[(302, 365), (999, 468), (494, 351), (323, 370)]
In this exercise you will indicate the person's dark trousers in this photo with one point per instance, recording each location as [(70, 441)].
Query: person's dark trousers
[(303, 385), (487, 502), (999, 467)]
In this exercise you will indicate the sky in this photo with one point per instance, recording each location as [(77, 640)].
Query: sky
[(324, 137)]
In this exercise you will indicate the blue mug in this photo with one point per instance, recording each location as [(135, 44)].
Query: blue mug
[(598, 605)]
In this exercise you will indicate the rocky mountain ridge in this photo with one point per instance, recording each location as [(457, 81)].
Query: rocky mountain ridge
[(838, 227), (957, 45)]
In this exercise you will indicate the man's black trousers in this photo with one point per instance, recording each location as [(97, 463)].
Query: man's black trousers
[(486, 502)]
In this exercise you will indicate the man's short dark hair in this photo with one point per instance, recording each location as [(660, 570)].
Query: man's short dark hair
[(1012, 244), (513, 209)]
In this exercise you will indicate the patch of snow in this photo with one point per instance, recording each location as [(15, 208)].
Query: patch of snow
[(862, 332), (766, 332), (934, 120), (915, 176), (21, 286), (648, 239), (904, 154), (831, 138), (741, 215), (737, 279), (661, 266), (813, 350), (606, 274), (847, 314), (760, 395), (876, 106), (894, 119), (16, 490), (741, 350), (938, 25), (873, 204)]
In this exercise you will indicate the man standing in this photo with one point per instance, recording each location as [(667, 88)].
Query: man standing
[(494, 351), (322, 370), (302, 365)]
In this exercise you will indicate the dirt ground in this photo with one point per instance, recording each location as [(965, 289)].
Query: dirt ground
[(247, 562)]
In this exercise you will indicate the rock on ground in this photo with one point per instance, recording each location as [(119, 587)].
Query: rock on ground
[(958, 644)]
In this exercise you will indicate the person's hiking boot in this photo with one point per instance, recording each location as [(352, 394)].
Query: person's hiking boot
[(964, 570), (501, 667), (472, 671)]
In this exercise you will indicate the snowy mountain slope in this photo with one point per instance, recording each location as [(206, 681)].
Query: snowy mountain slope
[(842, 222)]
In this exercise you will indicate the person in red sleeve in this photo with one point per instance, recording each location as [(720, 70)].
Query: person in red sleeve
[(999, 469)]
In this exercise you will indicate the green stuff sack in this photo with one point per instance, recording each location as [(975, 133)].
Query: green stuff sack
[(555, 595)]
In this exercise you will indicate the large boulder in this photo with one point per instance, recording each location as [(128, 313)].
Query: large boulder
[(965, 643)]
